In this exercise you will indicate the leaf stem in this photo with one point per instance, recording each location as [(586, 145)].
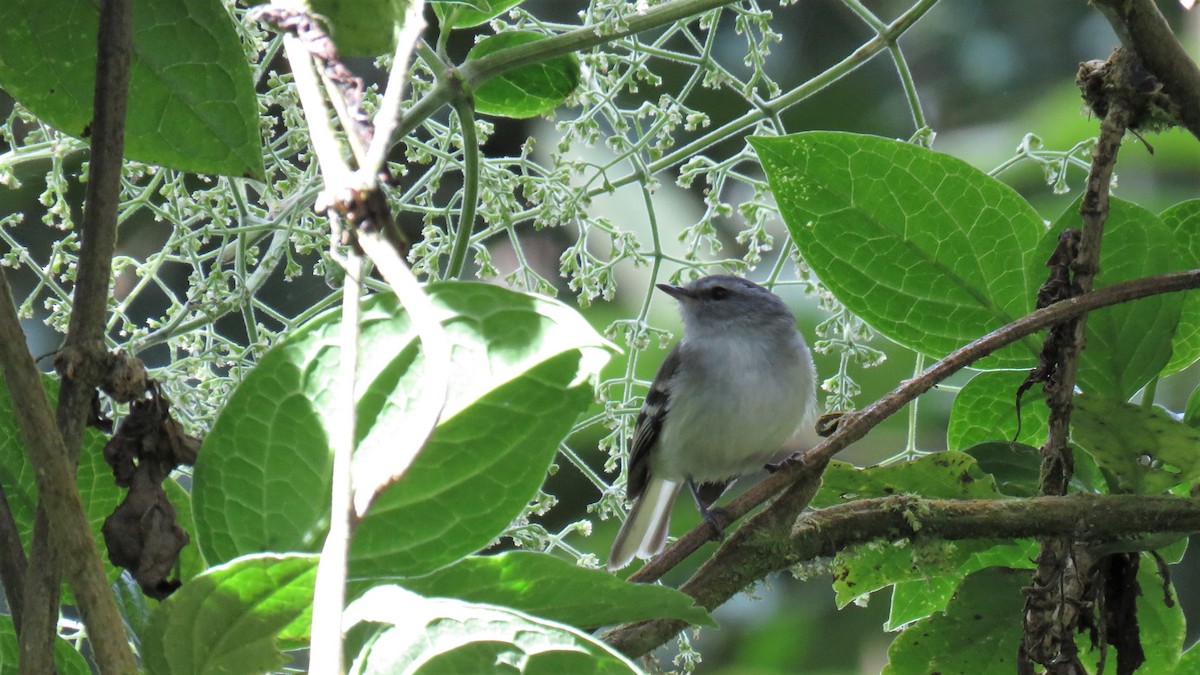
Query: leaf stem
[(464, 108)]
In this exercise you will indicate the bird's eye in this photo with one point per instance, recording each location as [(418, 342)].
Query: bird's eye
[(719, 293)]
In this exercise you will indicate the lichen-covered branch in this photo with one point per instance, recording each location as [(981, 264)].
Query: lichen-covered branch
[(1145, 32), (1057, 593)]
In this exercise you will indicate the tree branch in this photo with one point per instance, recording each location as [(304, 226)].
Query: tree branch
[(71, 533), (1095, 519), (12, 562), (1143, 30), (82, 364), (1052, 607)]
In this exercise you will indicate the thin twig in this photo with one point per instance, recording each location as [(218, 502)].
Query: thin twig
[(465, 110), (388, 117), (575, 41)]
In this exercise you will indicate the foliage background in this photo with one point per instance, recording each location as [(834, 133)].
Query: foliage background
[(987, 73)]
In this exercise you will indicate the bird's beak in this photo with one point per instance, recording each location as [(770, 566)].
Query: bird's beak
[(678, 292)]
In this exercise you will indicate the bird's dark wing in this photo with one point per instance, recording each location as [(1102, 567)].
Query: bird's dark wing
[(649, 424)]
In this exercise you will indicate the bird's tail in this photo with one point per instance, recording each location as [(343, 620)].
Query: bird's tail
[(644, 533)]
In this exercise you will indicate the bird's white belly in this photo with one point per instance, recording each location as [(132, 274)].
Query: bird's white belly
[(735, 431)]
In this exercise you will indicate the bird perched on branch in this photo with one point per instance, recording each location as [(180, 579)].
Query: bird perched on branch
[(738, 385)]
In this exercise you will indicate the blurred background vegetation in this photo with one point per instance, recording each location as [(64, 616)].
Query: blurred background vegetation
[(988, 74)]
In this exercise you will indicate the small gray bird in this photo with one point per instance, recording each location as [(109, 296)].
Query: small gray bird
[(738, 385)]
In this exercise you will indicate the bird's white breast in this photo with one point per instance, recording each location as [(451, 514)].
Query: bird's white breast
[(713, 432)]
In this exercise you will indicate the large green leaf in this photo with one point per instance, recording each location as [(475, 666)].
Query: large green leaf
[(477, 472), (942, 475), (517, 382), (232, 618), (928, 250), (983, 422), (913, 600), (545, 586), (864, 569), (981, 628), (1191, 411), (1141, 450), (362, 27), (1183, 221), (986, 410), (433, 635), (527, 90), (1127, 344), (191, 93), (1161, 620), (978, 633)]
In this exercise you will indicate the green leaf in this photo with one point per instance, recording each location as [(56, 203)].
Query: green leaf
[(517, 382), (983, 420), (527, 90), (231, 618), (986, 410), (459, 14), (474, 476), (1183, 220), (423, 635), (978, 633), (928, 250), (981, 628), (94, 477), (66, 657), (1127, 344), (1163, 627), (1191, 412), (1141, 450), (1015, 466), (942, 475), (133, 606), (1189, 663), (191, 93), (865, 569), (362, 27), (545, 586), (191, 562), (917, 599)]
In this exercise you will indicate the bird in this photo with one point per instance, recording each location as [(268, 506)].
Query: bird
[(738, 385)]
